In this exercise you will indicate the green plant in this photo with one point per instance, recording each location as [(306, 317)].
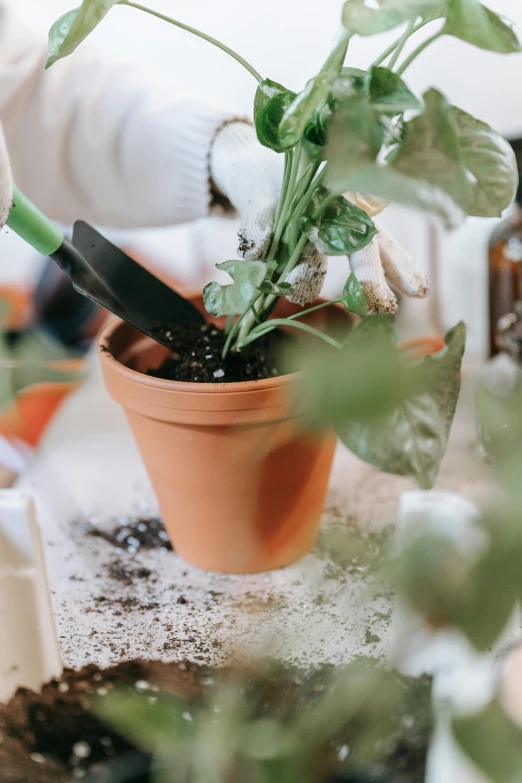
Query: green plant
[(359, 131), (476, 589), (259, 725), (29, 357), (349, 130)]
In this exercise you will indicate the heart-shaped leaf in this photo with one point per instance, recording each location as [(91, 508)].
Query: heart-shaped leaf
[(470, 21), (354, 143), (234, 299), (367, 19), (343, 228), (411, 439), (364, 379), (383, 89), (389, 94), (430, 149), (68, 32), (270, 105), (491, 166), (302, 109), (354, 298)]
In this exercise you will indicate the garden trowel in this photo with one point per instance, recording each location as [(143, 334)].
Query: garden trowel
[(104, 273)]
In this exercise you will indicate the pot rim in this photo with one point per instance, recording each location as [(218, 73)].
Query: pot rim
[(135, 377)]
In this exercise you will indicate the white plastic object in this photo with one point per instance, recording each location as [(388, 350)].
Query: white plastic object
[(29, 650)]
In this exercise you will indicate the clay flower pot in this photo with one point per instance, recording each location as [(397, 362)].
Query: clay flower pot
[(240, 484), (34, 407)]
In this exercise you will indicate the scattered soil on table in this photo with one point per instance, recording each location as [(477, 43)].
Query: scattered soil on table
[(131, 535), (197, 356), (54, 737)]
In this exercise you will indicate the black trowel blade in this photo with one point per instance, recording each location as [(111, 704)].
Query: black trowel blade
[(128, 289)]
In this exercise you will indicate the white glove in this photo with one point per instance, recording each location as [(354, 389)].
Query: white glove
[(6, 181), (251, 175), (385, 261)]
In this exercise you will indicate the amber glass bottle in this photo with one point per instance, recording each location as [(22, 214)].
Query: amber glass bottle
[(505, 265)]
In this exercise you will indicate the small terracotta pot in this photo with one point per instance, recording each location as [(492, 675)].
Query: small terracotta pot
[(30, 413), (420, 347), (240, 484)]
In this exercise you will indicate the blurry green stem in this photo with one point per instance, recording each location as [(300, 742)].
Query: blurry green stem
[(337, 56), (392, 47), (193, 30), (401, 43), (263, 329), (235, 329), (424, 45)]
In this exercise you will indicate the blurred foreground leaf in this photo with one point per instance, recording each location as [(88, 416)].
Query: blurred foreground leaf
[(493, 742), (394, 415)]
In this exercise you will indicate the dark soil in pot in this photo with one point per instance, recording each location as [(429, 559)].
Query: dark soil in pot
[(197, 356), (53, 737)]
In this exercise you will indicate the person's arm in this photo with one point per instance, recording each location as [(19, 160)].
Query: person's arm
[(88, 139)]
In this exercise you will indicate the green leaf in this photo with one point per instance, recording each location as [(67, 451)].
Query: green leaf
[(411, 438), (5, 309), (30, 357), (68, 32), (483, 613), (302, 109), (366, 19), (491, 165), (492, 742), (149, 726), (354, 298), (364, 379), (446, 163), (343, 229), (430, 149), (383, 89), (389, 94), (270, 105), (234, 299), (430, 573), (387, 183), (316, 133), (277, 289), (470, 21), (355, 139)]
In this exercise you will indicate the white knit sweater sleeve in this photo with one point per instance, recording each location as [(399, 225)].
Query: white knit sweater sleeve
[(90, 139)]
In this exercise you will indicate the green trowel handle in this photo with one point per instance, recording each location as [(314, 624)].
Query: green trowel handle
[(28, 222)]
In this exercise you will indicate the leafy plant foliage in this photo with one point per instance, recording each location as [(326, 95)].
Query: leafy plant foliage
[(363, 131)]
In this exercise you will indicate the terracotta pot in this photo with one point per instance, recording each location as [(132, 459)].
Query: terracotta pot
[(240, 484), (28, 416), (419, 347)]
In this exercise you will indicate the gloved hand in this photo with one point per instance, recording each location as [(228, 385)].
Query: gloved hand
[(6, 181), (251, 175)]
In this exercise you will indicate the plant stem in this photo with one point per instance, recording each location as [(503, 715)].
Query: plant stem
[(302, 205), (337, 56), (408, 61), (235, 329), (393, 46), (288, 198), (303, 184), (275, 322), (401, 43), (229, 324), (313, 309), (193, 30), (282, 199)]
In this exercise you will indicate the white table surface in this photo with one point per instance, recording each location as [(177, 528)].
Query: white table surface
[(310, 613)]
